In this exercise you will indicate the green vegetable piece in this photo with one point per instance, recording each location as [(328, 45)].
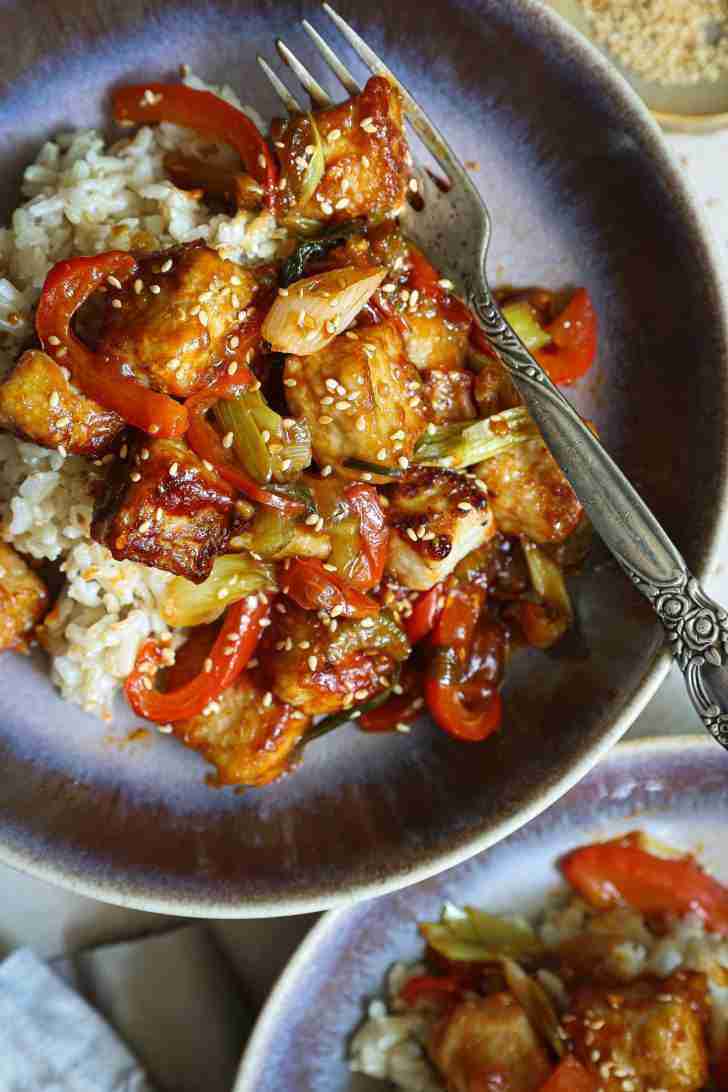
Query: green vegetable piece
[(522, 318), (481, 937), (294, 268), (465, 443)]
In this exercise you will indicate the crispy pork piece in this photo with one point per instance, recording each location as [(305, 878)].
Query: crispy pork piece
[(163, 508), (529, 493), (365, 170), (493, 388), (361, 398), (437, 517), (38, 403), (309, 667), (650, 1032), (488, 1044), (176, 318), (247, 737), (449, 395), (23, 598)]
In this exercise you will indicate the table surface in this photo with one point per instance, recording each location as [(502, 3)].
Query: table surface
[(53, 921)]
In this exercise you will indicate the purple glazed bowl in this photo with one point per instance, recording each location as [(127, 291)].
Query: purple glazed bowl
[(582, 192)]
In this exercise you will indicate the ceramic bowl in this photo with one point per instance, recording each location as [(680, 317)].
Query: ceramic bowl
[(581, 191), (673, 789)]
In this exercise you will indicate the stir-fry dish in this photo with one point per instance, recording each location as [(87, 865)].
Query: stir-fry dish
[(620, 987), (278, 471)]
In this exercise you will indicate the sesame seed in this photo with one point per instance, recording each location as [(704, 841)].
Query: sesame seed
[(153, 429), (595, 1055), (124, 451), (367, 623), (267, 699), (333, 135), (116, 303), (232, 367), (114, 282), (389, 287), (138, 285), (320, 523), (465, 506), (327, 208), (312, 663), (262, 161), (403, 462), (173, 470), (144, 453), (411, 533), (325, 420), (53, 340), (361, 424), (208, 665), (382, 454), (289, 382), (264, 622), (361, 695), (227, 440), (54, 399), (342, 203), (326, 470), (203, 318), (154, 289), (368, 125), (286, 465), (135, 476)]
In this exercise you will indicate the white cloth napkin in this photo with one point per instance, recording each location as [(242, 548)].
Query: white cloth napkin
[(175, 1018)]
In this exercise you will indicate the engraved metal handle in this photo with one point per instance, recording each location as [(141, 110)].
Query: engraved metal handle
[(696, 627)]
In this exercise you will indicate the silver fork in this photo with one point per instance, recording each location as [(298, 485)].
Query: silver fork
[(458, 224)]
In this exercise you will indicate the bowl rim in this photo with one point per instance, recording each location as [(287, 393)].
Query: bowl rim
[(650, 746), (135, 892)]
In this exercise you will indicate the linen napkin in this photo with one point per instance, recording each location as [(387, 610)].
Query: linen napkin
[(176, 1021)]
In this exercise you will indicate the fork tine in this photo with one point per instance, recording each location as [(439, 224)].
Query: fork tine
[(339, 69), (316, 92), (416, 116), (290, 102)]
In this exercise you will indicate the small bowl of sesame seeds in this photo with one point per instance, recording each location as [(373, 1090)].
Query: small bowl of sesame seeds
[(674, 53)]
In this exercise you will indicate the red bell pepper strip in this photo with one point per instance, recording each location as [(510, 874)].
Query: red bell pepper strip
[(229, 655), (574, 337), (374, 533), (570, 1076), (425, 613), (620, 872), (452, 638), (206, 114), (68, 285), (430, 985), (206, 441), (313, 587)]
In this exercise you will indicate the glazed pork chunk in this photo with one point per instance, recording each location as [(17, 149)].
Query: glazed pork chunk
[(164, 508), (437, 517), (361, 397), (39, 404), (23, 599), (355, 161), (172, 323)]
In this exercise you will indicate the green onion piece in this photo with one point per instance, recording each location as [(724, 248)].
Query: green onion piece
[(538, 1005), (547, 578), (372, 468), (233, 577), (522, 317), (480, 937), (282, 455), (383, 636), (294, 268), (268, 533), (463, 444), (314, 171)]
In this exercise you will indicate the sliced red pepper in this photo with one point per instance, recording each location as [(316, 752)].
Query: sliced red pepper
[(574, 336), (570, 1076), (452, 638), (229, 655), (206, 114), (425, 613), (313, 587), (374, 533), (430, 985), (620, 872), (68, 285)]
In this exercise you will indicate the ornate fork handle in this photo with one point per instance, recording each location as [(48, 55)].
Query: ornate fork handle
[(696, 627)]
